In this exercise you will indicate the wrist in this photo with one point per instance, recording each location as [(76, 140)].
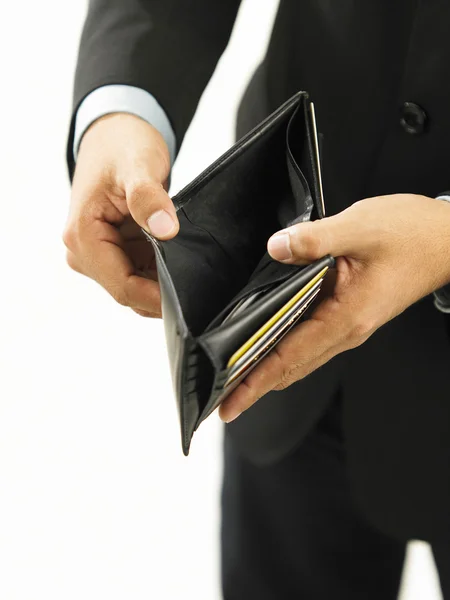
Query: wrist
[(122, 149), (122, 99), (119, 124), (127, 141)]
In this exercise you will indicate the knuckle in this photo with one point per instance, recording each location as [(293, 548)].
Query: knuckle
[(79, 225), (141, 193), (69, 238), (360, 331), (71, 262), (120, 296), (245, 400), (311, 244), (77, 233), (282, 385), (287, 375)]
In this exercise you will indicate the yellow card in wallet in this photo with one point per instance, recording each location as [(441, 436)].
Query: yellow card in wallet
[(273, 320)]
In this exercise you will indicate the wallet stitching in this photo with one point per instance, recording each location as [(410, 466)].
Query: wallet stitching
[(185, 340), (222, 376), (216, 396), (191, 396), (171, 285), (183, 407)]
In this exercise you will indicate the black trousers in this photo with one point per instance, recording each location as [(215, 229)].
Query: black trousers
[(291, 531)]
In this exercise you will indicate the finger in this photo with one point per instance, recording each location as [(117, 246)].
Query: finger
[(151, 298), (73, 262), (107, 263), (115, 273), (271, 372), (141, 254), (265, 378), (152, 208), (341, 235), (330, 330)]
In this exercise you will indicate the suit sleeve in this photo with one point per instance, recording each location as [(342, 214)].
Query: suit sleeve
[(169, 48)]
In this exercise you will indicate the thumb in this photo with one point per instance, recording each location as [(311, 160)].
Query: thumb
[(303, 243), (151, 207), (130, 158)]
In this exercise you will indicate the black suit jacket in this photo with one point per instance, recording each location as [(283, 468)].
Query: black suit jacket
[(379, 73)]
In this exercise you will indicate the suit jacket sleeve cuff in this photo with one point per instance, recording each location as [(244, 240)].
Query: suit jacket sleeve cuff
[(126, 99)]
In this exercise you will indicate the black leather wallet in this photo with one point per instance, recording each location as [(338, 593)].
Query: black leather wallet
[(225, 302)]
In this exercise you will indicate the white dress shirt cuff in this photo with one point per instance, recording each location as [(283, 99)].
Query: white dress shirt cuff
[(126, 99), (442, 296)]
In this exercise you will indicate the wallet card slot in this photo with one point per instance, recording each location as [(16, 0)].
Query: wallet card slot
[(266, 276), (223, 341), (223, 386), (218, 394), (197, 389)]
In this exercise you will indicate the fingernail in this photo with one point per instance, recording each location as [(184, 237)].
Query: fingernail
[(231, 416), (279, 246), (160, 224)]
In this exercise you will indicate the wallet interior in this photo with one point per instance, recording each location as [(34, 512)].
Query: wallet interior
[(267, 181), (227, 215)]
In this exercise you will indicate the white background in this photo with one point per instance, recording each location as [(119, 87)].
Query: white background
[(96, 499)]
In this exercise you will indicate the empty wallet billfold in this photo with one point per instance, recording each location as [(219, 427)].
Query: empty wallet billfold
[(225, 301)]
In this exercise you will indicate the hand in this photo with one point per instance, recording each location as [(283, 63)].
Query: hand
[(120, 185), (393, 251)]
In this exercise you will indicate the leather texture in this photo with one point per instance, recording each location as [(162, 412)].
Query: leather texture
[(266, 181)]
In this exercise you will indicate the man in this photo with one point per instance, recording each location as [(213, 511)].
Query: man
[(338, 458)]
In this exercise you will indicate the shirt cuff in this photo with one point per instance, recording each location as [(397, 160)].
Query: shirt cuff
[(126, 99), (442, 296)]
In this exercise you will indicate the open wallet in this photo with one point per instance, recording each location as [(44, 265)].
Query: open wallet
[(225, 302)]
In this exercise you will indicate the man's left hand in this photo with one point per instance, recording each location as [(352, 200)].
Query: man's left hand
[(392, 251)]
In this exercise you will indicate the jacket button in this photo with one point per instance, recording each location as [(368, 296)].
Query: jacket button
[(413, 118)]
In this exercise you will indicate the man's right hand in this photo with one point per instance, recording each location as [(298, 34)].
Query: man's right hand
[(119, 186)]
